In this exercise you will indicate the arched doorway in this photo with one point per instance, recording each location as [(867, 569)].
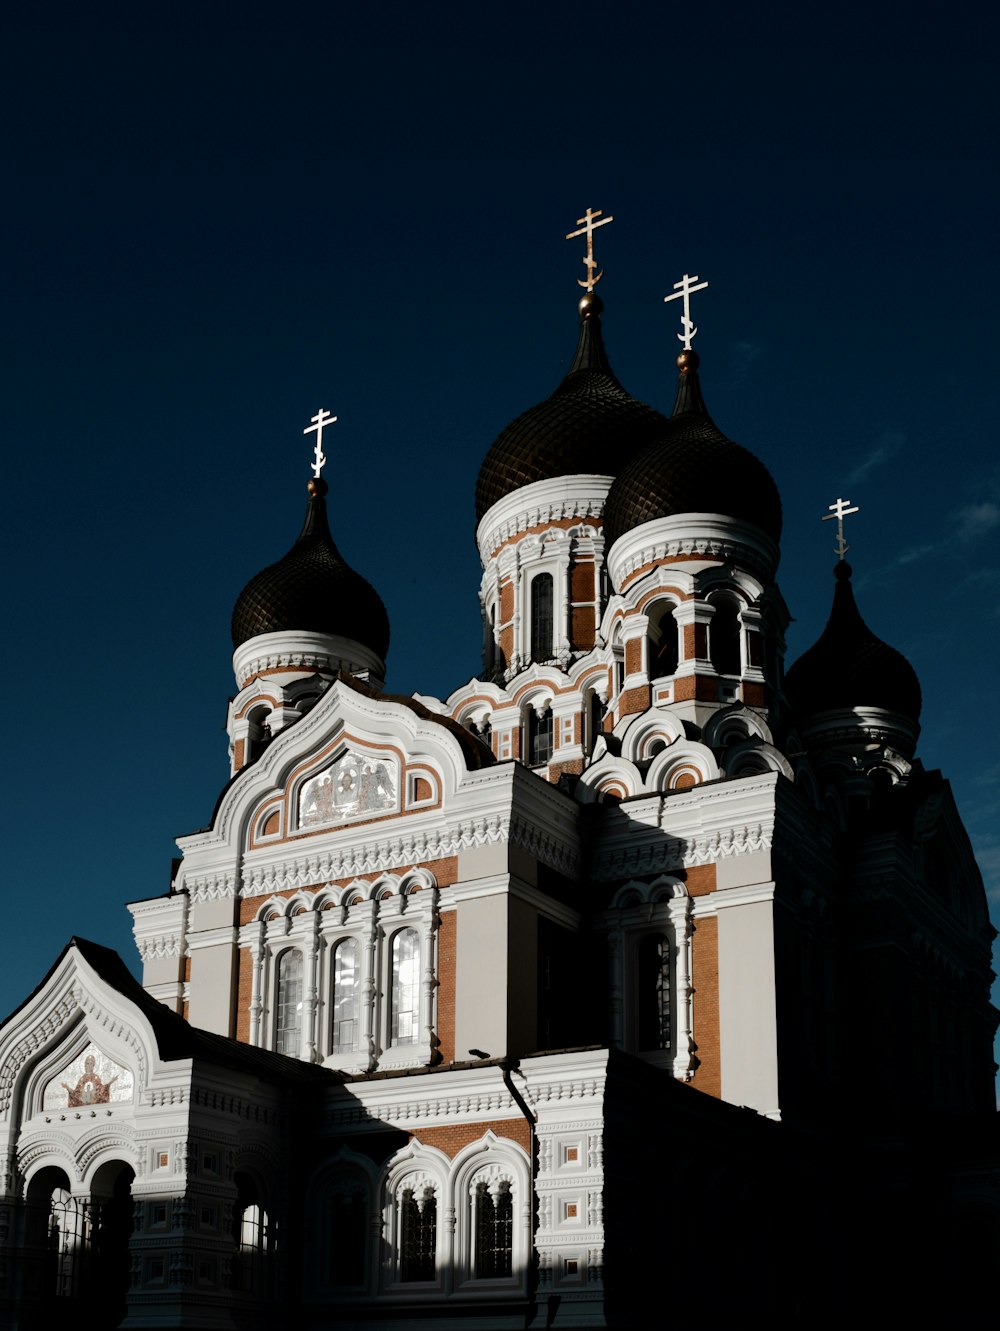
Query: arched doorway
[(76, 1247)]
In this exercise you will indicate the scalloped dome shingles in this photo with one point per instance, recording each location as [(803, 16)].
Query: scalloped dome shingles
[(589, 426), (312, 589), (692, 468), (848, 666)]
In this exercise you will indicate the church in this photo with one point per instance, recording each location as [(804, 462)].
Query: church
[(639, 977)]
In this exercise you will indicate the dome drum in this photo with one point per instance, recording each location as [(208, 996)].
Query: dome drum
[(293, 653), (689, 538)]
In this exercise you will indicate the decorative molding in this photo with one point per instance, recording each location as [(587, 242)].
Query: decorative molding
[(50, 1024), (710, 535), (302, 651), (668, 852), (156, 948), (399, 852), (211, 887), (533, 505)]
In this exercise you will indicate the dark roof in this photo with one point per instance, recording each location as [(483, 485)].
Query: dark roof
[(692, 467), (475, 751), (588, 427), (849, 667), (312, 589)]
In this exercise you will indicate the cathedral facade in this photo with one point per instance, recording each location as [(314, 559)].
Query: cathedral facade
[(566, 1000)]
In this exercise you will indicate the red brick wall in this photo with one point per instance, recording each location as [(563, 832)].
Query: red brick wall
[(452, 1139), (447, 937), (705, 1005)]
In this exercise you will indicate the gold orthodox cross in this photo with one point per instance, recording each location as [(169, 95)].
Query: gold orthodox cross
[(588, 225)]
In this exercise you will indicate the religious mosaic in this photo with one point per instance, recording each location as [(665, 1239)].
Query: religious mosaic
[(352, 787), (91, 1079)]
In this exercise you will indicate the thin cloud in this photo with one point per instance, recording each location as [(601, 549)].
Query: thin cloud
[(889, 443), (976, 520)]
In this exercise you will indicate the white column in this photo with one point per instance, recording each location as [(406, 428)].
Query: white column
[(680, 919), (369, 985), (258, 955), (310, 989)]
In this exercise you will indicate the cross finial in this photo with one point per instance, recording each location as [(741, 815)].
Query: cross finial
[(684, 288), (588, 225), (840, 510), (321, 419)]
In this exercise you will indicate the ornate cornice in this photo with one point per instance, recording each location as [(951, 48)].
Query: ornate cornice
[(690, 535), (156, 948), (664, 852), (544, 501), (399, 852)]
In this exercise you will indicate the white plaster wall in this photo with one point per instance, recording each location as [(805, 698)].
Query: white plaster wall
[(747, 1009), (212, 984), (481, 976)]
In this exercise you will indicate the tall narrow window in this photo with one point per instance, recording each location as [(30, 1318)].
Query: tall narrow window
[(288, 1004), (541, 617), (405, 999), (494, 1231), (345, 996), (663, 651), (417, 1234), (724, 636), (540, 737), (596, 719), (654, 992)]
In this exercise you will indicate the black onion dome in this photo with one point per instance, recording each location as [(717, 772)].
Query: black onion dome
[(692, 468), (849, 667), (312, 590), (588, 427)]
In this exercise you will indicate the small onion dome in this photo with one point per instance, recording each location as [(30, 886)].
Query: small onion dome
[(312, 590), (692, 468), (849, 667), (588, 427)]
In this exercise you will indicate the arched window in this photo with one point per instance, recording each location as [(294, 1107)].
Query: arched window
[(417, 1233), (494, 1230), (653, 999), (288, 1004), (345, 997), (251, 1235), (540, 737), (405, 997), (663, 645), (724, 636), (258, 732), (541, 617)]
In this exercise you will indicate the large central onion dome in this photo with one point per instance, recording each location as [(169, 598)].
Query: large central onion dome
[(849, 667), (312, 590), (589, 426), (692, 468)]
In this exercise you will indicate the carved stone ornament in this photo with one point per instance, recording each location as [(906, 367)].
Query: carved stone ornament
[(91, 1079), (354, 786)]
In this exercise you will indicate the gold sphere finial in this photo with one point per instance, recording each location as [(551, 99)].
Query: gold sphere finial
[(688, 360), (590, 305)]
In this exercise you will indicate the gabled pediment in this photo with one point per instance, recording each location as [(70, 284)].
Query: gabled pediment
[(79, 1041), (357, 757)]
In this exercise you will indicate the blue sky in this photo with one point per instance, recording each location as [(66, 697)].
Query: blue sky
[(218, 222)]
